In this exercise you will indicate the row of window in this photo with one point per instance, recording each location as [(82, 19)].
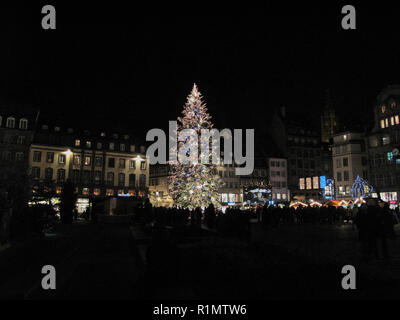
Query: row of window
[(309, 183), (8, 155), (277, 173), (37, 157), (276, 163), (343, 190), (381, 159), (86, 177), (10, 123), (279, 196), (111, 146), (394, 120), (383, 180), (12, 139), (230, 197), (48, 174), (344, 177), (97, 191), (392, 106)]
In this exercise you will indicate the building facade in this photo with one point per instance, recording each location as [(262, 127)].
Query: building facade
[(308, 159), (97, 164), (349, 159), (384, 144), (17, 129), (277, 172)]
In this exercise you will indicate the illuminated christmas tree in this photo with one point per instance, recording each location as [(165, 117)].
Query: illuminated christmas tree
[(194, 184)]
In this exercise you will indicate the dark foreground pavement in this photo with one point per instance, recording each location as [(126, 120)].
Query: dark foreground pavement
[(108, 262), (91, 261)]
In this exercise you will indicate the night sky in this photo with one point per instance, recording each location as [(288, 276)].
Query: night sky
[(133, 70)]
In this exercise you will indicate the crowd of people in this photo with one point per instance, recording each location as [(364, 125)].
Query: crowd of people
[(374, 223)]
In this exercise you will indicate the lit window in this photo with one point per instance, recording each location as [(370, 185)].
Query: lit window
[(88, 160), (23, 124), (77, 159), (96, 191), (382, 123), (50, 157), (315, 182), (109, 192), (385, 140), (77, 143), (392, 121), (85, 191), (88, 144), (301, 183), (308, 183), (37, 156), (383, 108), (283, 196), (387, 122), (10, 122), (390, 156), (396, 119), (61, 158)]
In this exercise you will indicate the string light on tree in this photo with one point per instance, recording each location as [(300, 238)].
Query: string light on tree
[(194, 185)]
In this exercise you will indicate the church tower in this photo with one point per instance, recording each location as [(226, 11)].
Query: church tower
[(329, 121)]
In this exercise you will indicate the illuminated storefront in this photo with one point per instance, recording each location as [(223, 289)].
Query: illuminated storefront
[(82, 204)]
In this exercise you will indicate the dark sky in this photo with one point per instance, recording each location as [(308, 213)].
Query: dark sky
[(133, 69)]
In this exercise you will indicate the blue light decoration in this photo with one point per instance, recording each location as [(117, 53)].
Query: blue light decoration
[(322, 182), (328, 190), (361, 189)]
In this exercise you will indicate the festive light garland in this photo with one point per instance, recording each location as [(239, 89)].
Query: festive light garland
[(361, 189)]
